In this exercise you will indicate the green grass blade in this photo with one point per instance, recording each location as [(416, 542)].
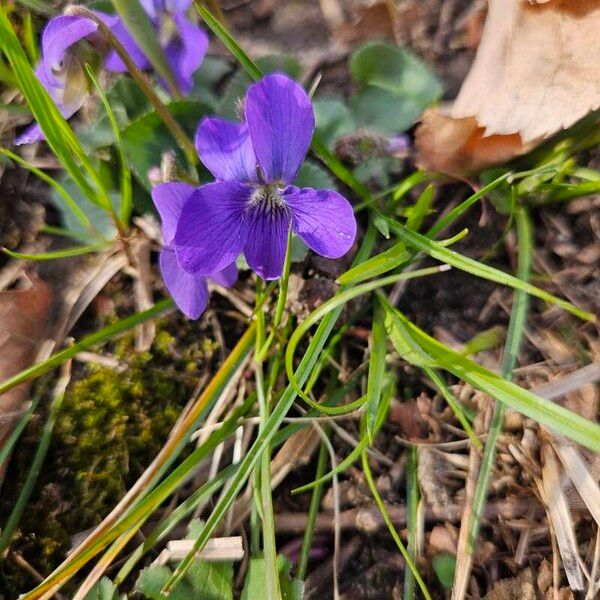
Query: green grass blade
[(139, 25), (390, 525), (382, 263), (432, 353), (458, 261), (514, 340), (375, 379), (412, 521), (57, 254), (313, 511), (126, 190), (18, 430), (464, 206), (98, 337)]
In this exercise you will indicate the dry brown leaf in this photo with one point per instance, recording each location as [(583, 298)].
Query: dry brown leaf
[(537, 71), (23, 319)]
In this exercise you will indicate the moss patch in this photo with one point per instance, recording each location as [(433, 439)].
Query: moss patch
[(111, 425)]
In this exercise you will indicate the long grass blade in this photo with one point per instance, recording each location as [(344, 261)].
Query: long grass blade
[(57, 254)]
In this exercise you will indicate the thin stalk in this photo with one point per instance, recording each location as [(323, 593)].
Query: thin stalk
[(514, 340), (185, 143), (412, 524), (392, 529), (264, 470), (313, 511), (281, 300)]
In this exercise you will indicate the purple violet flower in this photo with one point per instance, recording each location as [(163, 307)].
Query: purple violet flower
[(252, 205), (60, 71), (184, 43), (190, 292)]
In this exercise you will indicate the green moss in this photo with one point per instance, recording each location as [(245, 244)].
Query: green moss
[(110, 427)]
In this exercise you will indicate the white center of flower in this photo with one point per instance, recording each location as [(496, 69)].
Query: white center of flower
[(267, 198), (167, 30)]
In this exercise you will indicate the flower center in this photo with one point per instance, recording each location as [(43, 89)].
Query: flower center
[(267, 198)]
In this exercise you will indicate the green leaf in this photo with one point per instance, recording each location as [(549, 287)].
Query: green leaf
[(421, 350), (103, 224), (143, 32), (312, 175), (395, 70), (384, 111), (105, 590), (148, 138), (378, 265), (333, 118), (255, 584), (444, 566)]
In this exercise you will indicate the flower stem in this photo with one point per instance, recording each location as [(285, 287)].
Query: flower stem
[(264, 467)]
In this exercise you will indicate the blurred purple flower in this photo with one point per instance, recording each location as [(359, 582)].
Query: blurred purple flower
[(60, 70), (252, 205), (190, 292), (185, 44)]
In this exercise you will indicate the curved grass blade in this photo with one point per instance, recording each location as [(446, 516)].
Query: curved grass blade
[(420, 349), (57, 254), (449, 257), (333, 304), (98, 337)]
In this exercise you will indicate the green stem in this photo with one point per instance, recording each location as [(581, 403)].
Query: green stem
[(392, 529), (412, 506), (313, 511), (514, 340)]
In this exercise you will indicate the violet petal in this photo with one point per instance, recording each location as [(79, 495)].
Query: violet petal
[(267, 240), (169, 199), (227, 277), (186, 53), (225, 148), (212, 231), (281, 121), (190, 292), (324, 219)]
